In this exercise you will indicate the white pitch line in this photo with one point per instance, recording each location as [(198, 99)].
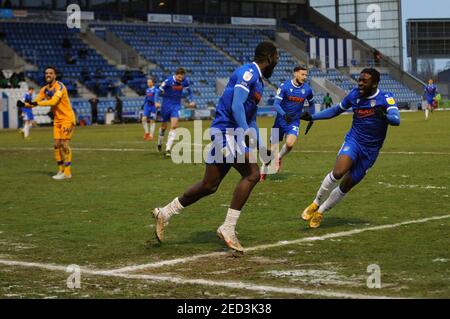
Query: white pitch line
[(32, 265), (203, 282), (389, 185), (268, 246), (149, 149), (121, 272), (249, 286)]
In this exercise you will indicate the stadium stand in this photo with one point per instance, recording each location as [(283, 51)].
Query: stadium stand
[(239, 43), (207, 52), (172, 47), (44, 44), (304, 29), (313, 29)]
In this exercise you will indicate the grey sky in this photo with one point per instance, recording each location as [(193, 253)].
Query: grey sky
[(424, 9)]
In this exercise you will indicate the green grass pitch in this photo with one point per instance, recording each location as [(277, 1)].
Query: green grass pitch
[(101, 219)]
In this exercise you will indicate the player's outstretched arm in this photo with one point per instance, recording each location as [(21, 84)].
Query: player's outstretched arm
[(52, 102), (38, 98), (29, 104), (393, 116), (329, 113)]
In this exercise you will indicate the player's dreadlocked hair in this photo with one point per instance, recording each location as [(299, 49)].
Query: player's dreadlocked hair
[(263, 50), (373, 73)]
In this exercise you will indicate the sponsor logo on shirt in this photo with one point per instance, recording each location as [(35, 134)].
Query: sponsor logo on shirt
[(362, 113), (296, 99)]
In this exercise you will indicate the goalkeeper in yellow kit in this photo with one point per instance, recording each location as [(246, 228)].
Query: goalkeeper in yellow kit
[(55, 95)]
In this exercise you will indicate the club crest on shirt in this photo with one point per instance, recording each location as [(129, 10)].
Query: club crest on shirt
[(303, 91), (247, 76), (373, 103)]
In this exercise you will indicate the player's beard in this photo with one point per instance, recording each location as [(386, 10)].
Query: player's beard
[(367, 91), (268, 71), (49, 80)]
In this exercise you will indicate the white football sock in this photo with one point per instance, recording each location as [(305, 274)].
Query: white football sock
[(152, 128), (264, 169), (26, 129), (284, 151), (335, 197), (232, 218), (328, 184), (173, 208), (161, 136), (170, 139), (426, 114), (145, 125)]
